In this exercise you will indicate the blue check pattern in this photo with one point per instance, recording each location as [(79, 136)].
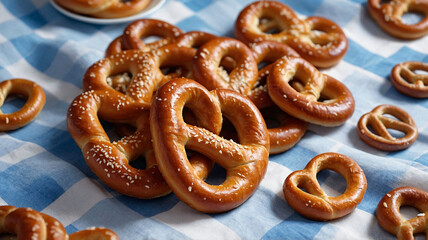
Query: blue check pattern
[(41, 167)]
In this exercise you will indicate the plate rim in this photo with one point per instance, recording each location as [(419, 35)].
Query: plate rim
[(103, 21)]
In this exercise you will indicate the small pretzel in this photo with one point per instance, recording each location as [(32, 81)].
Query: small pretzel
[(381, 138), (303, 101), (35, 102), (209, 72), (137, 30), (245, 163), (408, 82), (26, 223), (312, 202), (389, 17), (389, 217), (121, 8), (318, 40)]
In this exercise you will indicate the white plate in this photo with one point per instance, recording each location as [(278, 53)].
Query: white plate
[(152, 7)]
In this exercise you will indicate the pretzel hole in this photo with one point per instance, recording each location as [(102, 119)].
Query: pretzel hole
[(420, 72), (409, 212), (385, 2), (120, 81), (150, 38), (335, 183), (396, 133), (13, 103), (413, 16), (269, 25), (272, 119), (228, 131), (217, 175), (8, 236)]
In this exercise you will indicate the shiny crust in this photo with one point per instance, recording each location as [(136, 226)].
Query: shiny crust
[(318, 40), (408, 82), (389, 17), (194, 39), (389, 217), (85, 6), (140, 29), (208, 60), (35, 101), (383, 140), (302, 101), (26, 223), (116, 46), (245, 163), (313, 203)]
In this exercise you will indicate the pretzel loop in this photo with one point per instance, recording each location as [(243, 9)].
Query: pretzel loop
[(389, 217), (245, 163), (302, 101), (404, 78), (33, 106), (314, 203), (319, 40), (389, 17), (381, 138)]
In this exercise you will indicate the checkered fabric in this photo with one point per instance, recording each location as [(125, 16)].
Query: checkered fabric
[(41, 166)]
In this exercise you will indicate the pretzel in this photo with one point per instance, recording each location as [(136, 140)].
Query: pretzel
[(312, 202), (209, 72), (318, 40), (34, 104), (115, 47), (408, 82), (121, 8), (381, 138), (389, 17), (110, 161), (317, 98), (85, 6), (389, 217), (143, 28), (194, 39), (245, 163), (145, 69), (26, 223)]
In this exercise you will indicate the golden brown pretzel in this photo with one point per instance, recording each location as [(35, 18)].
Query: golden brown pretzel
[(143, 28), (194, 39), (245, 163), (116, 46), (389, 217), (381, 138), (318, 40), (408, 82), (313, 203), (35, 102), (110, 161), (26, 223), (303, 101), (120, 8), (209, 72), (85, 6), (389, 17)]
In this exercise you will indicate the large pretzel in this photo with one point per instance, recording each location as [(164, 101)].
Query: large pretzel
[(404, 78), (389, 17), (319, 40), (26, 223), (299, 89), (312, 202), (381, 138), (34, 104), (245, 163), (389, 217), (209, 72)]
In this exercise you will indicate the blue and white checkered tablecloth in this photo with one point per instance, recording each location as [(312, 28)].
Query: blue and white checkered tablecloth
[(41, 167)]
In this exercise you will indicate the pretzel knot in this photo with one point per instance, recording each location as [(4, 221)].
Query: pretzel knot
[(313, 203), (245, 163), (319, 40), (389, 217), (405, 80), (299, 89), (381, 138), (389, 17), (34, 104), (26, 223)]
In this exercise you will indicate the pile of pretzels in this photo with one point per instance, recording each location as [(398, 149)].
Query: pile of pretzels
[(188, 101)]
